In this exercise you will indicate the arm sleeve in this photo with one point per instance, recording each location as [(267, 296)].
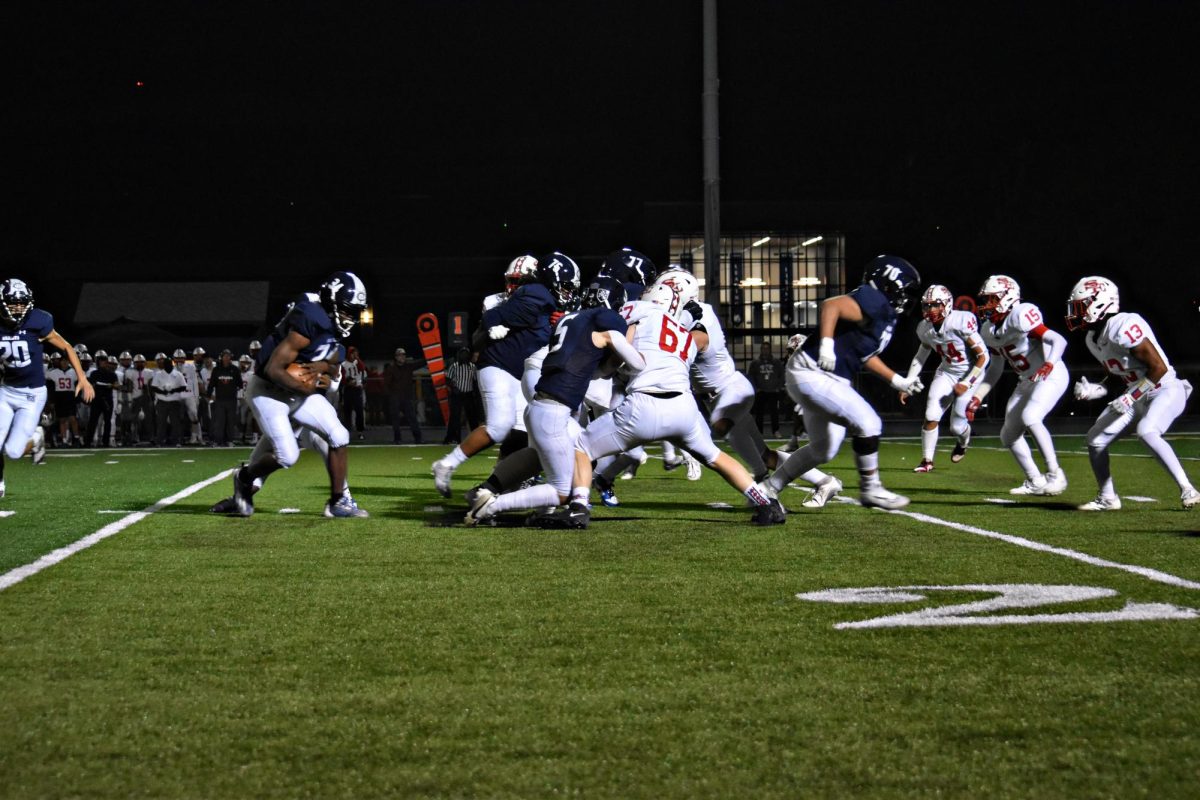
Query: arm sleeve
[(633, 359), (995, 367), (914, 369)]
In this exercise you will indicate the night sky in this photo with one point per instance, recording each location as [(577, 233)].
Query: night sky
[(1043, 139)]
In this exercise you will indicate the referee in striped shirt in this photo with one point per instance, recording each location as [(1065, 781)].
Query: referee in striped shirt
[(464, 396)]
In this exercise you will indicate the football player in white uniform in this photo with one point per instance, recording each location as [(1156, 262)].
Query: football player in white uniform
[(1154, 395), (659, 405), (1017, 332), (962, 359)]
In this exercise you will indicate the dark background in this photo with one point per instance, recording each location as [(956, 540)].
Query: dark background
[(426, 143)]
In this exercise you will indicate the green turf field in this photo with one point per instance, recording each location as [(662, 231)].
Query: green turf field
[(664, 652)]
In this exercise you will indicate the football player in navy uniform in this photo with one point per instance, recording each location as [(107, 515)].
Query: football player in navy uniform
[(580, 341), (515, 329), (854, 329), (634, 270), (309, 334), (23, 330)]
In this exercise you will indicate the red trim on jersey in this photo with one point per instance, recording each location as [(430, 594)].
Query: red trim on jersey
[(1039, 331)]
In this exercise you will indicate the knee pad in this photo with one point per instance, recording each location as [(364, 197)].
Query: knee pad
[(865, 445), (287, 454), (499, 431), (1010, 434), (14, 449), (339, 436)]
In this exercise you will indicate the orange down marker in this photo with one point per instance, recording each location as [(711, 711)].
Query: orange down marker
[(431, 346)]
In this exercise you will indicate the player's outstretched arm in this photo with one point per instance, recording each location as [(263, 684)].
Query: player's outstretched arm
[(621, 346), (900, 383), (982, 362), (83, 386)]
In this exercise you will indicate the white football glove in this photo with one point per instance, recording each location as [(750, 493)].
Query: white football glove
[(1086, 390), (907, 385), (497, 332), (827, 356), (1123, 404)]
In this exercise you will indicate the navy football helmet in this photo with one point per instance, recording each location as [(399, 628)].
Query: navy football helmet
[(897, 279), (343, 297), (604, 291), (560, 274), (629, 266), (15, 301)]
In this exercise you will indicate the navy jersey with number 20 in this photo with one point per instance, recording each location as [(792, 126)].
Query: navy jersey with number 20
[(21, 350), (573, 357)]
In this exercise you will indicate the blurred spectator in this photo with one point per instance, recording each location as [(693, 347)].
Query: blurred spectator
[(104, 380), (169, 387), (64, 378), (464, 396), (766, 374), (249, 427), (398, 383), (354, 374), (224, 384)]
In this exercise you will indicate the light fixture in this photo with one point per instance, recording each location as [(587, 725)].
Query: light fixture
[(366, 317), (813, 240), (761, 241), (752, 282), (807, 280)]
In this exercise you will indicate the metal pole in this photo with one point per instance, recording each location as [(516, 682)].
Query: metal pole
[(712, 161)]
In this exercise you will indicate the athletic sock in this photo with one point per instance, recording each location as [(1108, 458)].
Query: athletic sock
[(757, 494), (928, 443), (455, 458)]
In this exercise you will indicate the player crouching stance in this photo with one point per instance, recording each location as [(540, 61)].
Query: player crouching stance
[(1154, 395), (287, 389), (579, 342), (658, 403), (854, 330), (1015, 331), (952, 334), (23, 329)]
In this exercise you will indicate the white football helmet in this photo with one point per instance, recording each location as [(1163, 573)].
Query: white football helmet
[(178, 353), (683, 283), (935, 302), (998, 296), (519, 268), (1093, 299), (662, 294)]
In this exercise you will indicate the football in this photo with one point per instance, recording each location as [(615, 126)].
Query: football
[(305, 373)]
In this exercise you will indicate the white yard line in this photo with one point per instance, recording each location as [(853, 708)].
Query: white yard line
[(19, 574), (1020, 541)]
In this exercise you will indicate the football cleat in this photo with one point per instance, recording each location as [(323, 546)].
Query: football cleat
[(576, 516), (1102, 503), (480, 510), (609, 498), (958, 453), (243, 494), (879, 497), (473, 493), (1190, 498), (441, 477), (826, 489), (226, 506), (771, 514), (1031, 486), (669, 466), (1056, 483), (39, 446), (925, 466), (344, 508), (693, 466)]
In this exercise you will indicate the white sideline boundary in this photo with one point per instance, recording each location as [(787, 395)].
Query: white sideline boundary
[(15, 576), (1146, 572)]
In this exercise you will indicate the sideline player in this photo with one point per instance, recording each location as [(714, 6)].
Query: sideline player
[(1016, 332), (1154, 395), (659, 404), (854, 329), (308, 334), (953, 335), (515, 329), (580, 341), (23, 329)]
